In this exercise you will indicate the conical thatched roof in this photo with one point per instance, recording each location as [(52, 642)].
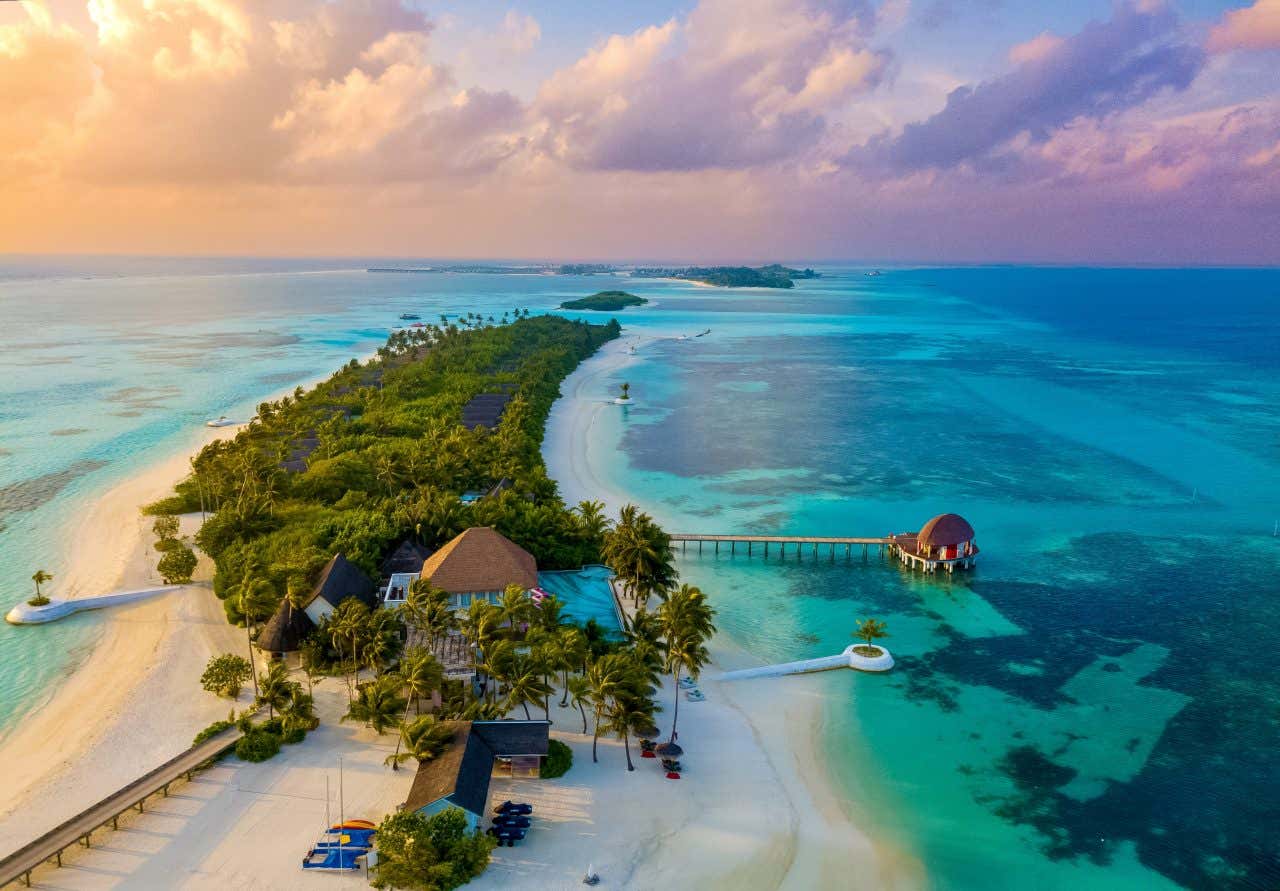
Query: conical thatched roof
[(341, 579), (480, 559), (285, 630)]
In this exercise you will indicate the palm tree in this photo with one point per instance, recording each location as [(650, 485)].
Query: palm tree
[(640, 554), (525, 684), (422, 740), (420, 674), (299, 713), (515, 605), (630, 714), (40, 578), (870, 630), (578, 690), (626, 391), (349, 624), (378, 704), (605, 677), (685, 618), (275, 690), (253, 597), (571, 651)]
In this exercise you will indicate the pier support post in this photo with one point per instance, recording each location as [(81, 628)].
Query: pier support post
[(766, 550), (717, 546), (748, 548)]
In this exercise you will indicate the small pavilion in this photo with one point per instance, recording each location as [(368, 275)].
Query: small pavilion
[(946, 542)]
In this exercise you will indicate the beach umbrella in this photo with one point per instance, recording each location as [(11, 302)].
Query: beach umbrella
[(669, 750)]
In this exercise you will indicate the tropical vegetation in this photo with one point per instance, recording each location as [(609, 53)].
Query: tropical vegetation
[(435, 853), (605, 301), (40, 577), (225, 675), (869, 631), (558, 761)]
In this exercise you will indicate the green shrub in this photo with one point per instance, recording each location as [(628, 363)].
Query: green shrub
[(225, 675), (558, 761), (272, 726), (257, 745), (293, 736), (211, 731), (165, 545), (39, 600), (177, 565)]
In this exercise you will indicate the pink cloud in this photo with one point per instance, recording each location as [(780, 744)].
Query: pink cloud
[(1256, 27)]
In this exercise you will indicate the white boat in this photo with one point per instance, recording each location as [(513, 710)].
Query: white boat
[(222, 421)]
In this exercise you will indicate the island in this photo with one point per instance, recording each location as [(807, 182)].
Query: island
[(774, 275), (605, 301)]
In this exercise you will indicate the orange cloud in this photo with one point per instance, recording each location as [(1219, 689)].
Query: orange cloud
[(1254, 28)]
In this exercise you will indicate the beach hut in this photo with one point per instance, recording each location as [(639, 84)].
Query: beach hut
[(460, 775), (479, 564), (945, 542), (285, 630)]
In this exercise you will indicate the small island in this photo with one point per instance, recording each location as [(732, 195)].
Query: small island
[(605, 301), (771, 276)]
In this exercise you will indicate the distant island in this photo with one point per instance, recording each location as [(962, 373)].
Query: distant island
[(605, 301), (772, 276)]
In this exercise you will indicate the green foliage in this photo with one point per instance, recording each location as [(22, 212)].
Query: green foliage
[(258, 745), (387, 458), (225, 675), (378, 704), (293, 736), (870, 630), (606, 301), (164, 545), (436, 853), (165, 527), (211, 731), (558, 761), (177, 565), (40, 577)]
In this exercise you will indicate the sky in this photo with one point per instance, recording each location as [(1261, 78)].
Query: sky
[(1127, 132)]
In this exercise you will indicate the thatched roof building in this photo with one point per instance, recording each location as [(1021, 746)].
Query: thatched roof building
[(481, 560), (285, 630), (945, 542)]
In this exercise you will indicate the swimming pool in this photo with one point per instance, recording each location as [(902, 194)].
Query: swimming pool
[(585, 593)]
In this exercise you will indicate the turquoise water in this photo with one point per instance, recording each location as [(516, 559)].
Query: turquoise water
[(110, 365), (585, 593), (1097, 706)]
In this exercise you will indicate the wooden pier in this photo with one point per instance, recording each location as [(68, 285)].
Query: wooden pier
[(817, 543), (79, 829)]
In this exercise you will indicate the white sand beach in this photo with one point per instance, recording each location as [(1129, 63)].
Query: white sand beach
[(754, 810), (134, 701)]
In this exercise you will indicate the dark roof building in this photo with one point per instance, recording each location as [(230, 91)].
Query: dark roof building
[(484, 410), (339, 580), (945, 530), (460, 775), (407, 557)]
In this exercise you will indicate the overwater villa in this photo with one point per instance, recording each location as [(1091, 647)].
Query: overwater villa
[(460, 775), (479, 564), (946, 542)]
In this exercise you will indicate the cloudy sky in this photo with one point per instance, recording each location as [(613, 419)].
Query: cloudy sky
[(1138, 131)]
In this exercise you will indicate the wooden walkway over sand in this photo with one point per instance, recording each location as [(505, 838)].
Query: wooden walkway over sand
[(751, 542), (80, 828)]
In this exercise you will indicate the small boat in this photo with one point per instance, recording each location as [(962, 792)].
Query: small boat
[(704, 333), (695, 695), (355, 824), (410, 316), (334, 859), (687, 683), (873, 273), (220, 421), (417, 325), (346, 838)]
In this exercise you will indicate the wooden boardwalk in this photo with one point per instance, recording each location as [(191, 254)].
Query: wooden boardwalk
[(80, 828), (751, 542)]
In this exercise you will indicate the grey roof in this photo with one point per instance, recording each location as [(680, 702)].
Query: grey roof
[(484, 410), (408, 556), (341, 579), (462, 772), (285, 630)]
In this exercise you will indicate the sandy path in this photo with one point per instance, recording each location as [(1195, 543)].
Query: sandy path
[(135, 700)]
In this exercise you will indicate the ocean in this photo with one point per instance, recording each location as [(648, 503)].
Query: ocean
[(1096, 705)]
